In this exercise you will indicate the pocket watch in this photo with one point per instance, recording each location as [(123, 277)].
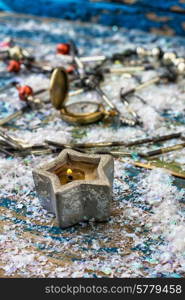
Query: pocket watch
[(83, 112)]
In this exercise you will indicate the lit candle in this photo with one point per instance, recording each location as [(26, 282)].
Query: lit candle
[(68, 175)]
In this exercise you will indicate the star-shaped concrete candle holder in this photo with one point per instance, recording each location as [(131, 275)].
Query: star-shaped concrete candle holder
[(76, 186)]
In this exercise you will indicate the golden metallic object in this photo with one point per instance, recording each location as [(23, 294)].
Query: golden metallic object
[(17, 53), (172, 168), (155, 52), (142, 141), (141, 51), (148, 83), (81, 118), (59, 86), (10, 140), (126, 70), (92, 58), (163, 150), (141, 86), (169, 57), (11, 117), (178, 60), (181, 68), (79, 112)]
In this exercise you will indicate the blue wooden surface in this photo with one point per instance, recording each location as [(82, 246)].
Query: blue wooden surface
[(155, 16)]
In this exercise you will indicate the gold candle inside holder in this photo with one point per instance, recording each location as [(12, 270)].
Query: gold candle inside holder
[(74, 170), (69, 175)]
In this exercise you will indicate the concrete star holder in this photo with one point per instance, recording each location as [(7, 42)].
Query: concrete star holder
[(86, 197)]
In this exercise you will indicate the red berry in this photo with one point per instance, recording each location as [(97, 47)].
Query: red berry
[(14, 66), (63, 49), (24, 92), (70, 69)]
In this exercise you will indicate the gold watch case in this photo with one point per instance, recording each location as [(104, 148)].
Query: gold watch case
[(59, 88)]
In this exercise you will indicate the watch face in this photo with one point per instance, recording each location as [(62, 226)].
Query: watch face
[(82, 108)]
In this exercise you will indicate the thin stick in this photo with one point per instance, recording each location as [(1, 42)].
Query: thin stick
[(10, 140), (163, 150), (154, 139), (5, 152), (11, 117), (151, 167), (141, 86), (116, 143)]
